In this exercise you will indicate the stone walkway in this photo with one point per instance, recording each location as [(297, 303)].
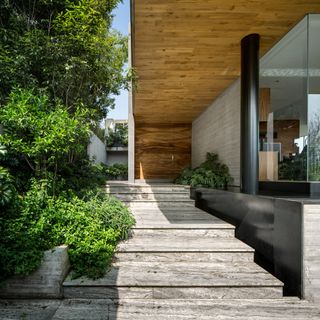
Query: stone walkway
[(180, 263)]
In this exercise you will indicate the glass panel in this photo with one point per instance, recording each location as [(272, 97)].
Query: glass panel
[(283, 108), (314, 97)]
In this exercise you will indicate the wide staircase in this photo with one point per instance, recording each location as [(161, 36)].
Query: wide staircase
[(182, 263)]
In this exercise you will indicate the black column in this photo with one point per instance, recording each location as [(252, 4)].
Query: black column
[(249, 113)]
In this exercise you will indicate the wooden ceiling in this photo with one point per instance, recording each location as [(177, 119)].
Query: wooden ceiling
[(186, 52)]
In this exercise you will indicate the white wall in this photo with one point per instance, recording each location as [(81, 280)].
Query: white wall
[(217, 130), (97, 150)]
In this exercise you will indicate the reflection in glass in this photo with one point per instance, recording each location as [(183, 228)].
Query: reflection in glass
[(290, 106), (314, 97)]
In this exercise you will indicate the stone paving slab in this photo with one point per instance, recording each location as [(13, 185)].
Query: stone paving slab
[(155, 309), (28, 309)]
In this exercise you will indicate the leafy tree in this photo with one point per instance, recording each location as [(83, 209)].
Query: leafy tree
[(45, 135), (119, 136), (65, 46)]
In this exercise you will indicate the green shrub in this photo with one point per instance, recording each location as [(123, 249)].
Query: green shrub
[(7, 189), (90, 228), (210, 174), (117, 171), (82, 175)]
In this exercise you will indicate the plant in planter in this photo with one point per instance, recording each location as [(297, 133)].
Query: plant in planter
[(210, 174)]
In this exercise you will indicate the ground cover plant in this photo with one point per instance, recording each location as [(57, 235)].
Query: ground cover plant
[(61, 64), (210, 174), (91, 227)]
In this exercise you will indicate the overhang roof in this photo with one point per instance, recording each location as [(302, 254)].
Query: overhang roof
[(186, 52)]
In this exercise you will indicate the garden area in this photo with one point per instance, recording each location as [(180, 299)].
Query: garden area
[(60, 64)]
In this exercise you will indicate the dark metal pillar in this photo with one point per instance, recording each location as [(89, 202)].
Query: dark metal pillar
[(249, 113)]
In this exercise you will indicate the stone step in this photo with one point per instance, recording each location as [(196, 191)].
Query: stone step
[(173, 196), (180, 245), (184, 256), (175, 217), (285, 309), (178, 279), (187, 224), (184, 234), (159, 309), (163, 204), (147, 189)]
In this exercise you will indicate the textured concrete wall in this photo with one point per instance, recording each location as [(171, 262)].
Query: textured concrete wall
[(217, 130), (45, 282), (97, 150), (311, 252), (117, 157)]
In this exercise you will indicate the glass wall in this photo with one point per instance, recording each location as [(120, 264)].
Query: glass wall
[(290, 106), (314, 97)]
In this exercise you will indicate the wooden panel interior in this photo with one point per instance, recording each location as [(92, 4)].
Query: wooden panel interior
[(162, 150), (286, 131)]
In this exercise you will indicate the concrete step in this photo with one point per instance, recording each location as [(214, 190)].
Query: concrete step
[(268, 309), (159, 309), (176, 217), (159, 188), (184, 256), (185, 280), (184, 234), (177, 309), (177, 251), (173, 196), (181, 245), (162, 204)]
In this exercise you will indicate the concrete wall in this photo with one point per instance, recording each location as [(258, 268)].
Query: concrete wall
[(311, 252), (217, 130), (117, 157), (97, 150), (45, 282)]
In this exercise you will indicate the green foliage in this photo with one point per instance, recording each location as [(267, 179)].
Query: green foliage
[(91, 228), (210, 174), (83, 175), (294, 168), (42, 133), (66, 47), (116, 171), (7, 189), (119, 136), (60, 65), (18, 168)]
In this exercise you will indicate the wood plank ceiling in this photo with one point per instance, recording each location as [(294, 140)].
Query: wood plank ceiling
[(186, 52)]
